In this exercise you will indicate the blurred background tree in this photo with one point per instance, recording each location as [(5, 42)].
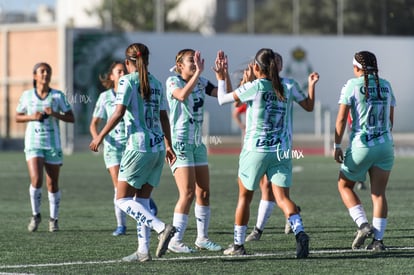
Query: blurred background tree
[(313, 17), (137, 15)]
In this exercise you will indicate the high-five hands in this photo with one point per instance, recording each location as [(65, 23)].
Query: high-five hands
[(198, 61), (221, 65)]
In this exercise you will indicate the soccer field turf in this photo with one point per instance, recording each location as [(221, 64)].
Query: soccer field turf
[(84, 245)]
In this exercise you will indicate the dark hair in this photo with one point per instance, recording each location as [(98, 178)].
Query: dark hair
[(139, 54), (37, 66), (179, 57), (266, 60), (369, 65), (279, 60), (106, 79)]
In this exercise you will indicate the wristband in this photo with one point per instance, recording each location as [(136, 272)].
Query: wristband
[(337, 146)]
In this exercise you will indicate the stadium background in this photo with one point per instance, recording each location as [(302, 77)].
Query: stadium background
[(79, 55)]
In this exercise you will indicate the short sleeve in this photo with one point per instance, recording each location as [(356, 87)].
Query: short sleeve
[(123, 94), (100, 110)]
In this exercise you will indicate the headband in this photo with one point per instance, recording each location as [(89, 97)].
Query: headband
[(173, 68), (356, 63), (260, 64), (133, 58)]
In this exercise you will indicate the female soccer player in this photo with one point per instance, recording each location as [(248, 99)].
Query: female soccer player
[(267, 138), (267, 201), (370, 101), (141, 102), (42, 107), (186, 94), (115, 141)]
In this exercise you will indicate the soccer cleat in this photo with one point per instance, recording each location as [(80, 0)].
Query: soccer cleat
[(288, 228), (179, 247), (208, 245), (34, 223), (53, 225), (364, 231), (302, 245), (376, 245), (164, 239), (235, 249), (120, 230), (254, 235), (137, 257)]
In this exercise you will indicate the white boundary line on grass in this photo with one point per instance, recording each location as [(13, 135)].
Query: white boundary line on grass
[(202, 257)]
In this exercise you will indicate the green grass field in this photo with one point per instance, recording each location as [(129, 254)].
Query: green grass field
[(85, 244)]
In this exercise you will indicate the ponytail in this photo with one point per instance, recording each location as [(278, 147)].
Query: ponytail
[(139, 54), (266, 59)]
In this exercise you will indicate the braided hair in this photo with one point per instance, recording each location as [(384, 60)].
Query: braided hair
[(369, 65), (266, 60), (139, 53)]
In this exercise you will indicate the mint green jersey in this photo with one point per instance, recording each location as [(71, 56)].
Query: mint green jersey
[(294, 94), (104, 108), (43, 134), (268, 120), (371, 124), (142, 118), (186, 117)]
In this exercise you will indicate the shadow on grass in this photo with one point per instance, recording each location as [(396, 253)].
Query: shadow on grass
[(312, 257), (365, 255)]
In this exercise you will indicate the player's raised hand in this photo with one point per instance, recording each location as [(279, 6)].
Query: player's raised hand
[(198, 61), (313, 78)]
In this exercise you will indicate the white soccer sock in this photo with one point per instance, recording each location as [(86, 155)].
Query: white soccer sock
[(35, 199), (139, 213), (263, 213), (54, 203), (120, 216), (180, 222), (202, 215), (357, 213), (379, 224), (239, 234), (143, 232), (296, 223)]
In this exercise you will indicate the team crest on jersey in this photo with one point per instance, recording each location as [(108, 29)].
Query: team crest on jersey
[(198, 103)]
